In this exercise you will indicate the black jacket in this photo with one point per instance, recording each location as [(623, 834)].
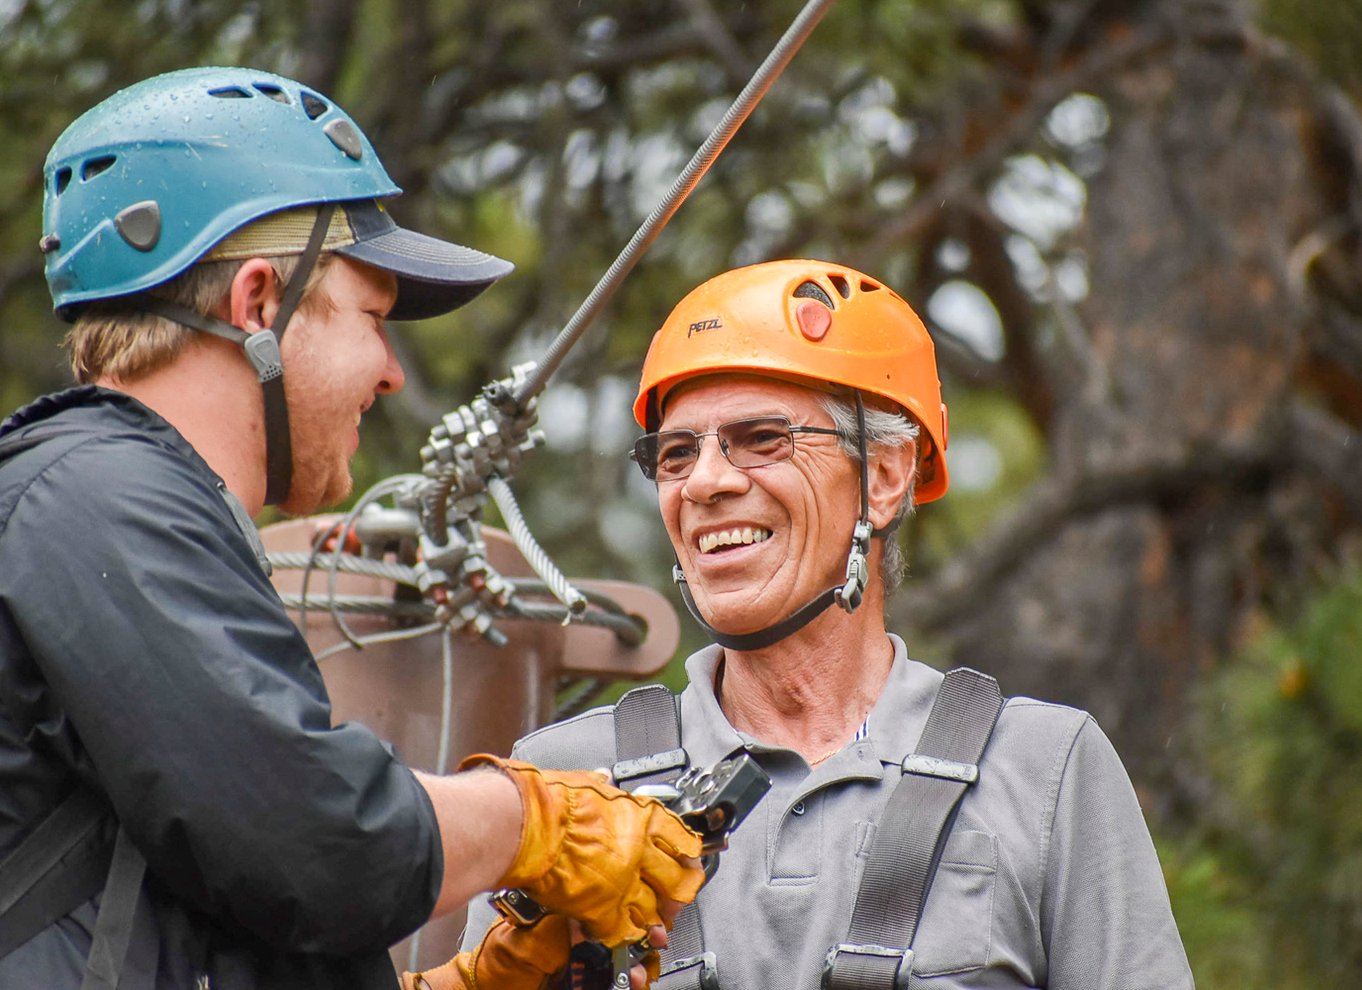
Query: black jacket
[(144, 652)]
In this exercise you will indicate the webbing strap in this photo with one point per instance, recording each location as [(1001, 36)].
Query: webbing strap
[(58, 866), (762, 637), (117, 917), (911, 835), (648, 724), (278, 437)]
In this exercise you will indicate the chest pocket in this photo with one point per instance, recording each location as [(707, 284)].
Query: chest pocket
[(956, 931)]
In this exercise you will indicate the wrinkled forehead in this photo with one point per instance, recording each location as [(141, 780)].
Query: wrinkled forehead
[(731, 387)]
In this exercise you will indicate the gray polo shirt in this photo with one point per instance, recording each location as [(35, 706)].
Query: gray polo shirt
[(1049, 878)]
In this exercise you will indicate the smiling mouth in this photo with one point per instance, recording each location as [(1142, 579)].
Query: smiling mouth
[(712, 542)]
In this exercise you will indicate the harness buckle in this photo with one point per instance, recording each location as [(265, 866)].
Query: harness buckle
[(933, 766), (649, 766), (849, 966), (707, 977)]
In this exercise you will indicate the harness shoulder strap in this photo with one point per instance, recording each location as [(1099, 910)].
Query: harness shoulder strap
[(118, 918), (911, 835), (648, 738), (648, 750), (58, 866)]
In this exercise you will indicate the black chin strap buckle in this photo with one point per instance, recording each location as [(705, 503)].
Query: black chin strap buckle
[(262, 350), (858, 571)]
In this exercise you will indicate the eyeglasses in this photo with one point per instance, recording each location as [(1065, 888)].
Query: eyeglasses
[(746, 443)]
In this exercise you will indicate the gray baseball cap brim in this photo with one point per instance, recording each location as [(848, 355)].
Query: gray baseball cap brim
[(433, 276)]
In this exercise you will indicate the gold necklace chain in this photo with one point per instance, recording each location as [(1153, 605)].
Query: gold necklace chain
[(826, 756)]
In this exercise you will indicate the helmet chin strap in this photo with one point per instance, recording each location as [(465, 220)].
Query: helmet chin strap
[(262, 350), (848, 594)]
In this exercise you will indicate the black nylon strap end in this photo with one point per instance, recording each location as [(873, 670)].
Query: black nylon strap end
[(278, 442), (117, 917)]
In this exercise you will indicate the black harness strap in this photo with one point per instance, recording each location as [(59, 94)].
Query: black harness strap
[(911, 835), (648, 750), (117, 918), (58, 866)]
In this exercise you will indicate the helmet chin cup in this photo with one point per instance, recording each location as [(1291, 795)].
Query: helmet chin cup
[(849, 595), (262, 350)]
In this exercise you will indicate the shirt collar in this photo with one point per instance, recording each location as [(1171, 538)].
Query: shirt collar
[(896, 719), (900, 713), (105, 410)]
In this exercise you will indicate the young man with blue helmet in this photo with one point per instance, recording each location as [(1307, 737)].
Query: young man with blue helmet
[(176, 809)]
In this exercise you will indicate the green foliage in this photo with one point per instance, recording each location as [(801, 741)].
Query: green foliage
[(998, 453), (1329, 34), (1223, 924), (1283, 728)]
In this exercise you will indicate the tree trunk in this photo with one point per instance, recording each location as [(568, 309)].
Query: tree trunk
[(1175, 495)]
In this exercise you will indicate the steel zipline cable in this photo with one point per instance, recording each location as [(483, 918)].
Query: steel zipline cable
[(526, 387), (436, 516), (738, 111)]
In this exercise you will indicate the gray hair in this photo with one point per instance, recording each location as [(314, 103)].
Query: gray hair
[(882, 429)]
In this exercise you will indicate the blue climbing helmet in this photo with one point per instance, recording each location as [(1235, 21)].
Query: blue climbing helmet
[(145, 183), (233, 163)]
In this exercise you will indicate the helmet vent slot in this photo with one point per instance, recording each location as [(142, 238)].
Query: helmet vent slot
[(812, 290), (93, 166), (274, 92), (870, 287), (842, 286), (61, 180), (230, 93), (314, 106)]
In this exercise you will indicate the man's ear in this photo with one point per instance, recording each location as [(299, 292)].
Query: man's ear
[(254, 299), (890, 476)]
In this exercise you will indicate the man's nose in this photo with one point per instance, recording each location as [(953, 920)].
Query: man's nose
[(713, 473), (394, 378)]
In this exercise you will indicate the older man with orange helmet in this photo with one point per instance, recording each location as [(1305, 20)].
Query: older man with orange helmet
[(921, 831)]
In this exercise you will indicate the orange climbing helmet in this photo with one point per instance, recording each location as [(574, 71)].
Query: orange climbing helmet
[(806, 320)]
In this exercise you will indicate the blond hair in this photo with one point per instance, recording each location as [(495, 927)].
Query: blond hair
[(116, 339)]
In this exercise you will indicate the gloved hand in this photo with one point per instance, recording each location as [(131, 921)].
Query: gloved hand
[(596, 853), (514, 958), (507, 958)]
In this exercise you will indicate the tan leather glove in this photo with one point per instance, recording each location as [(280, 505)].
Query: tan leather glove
[(507, 958), (596, 853)]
